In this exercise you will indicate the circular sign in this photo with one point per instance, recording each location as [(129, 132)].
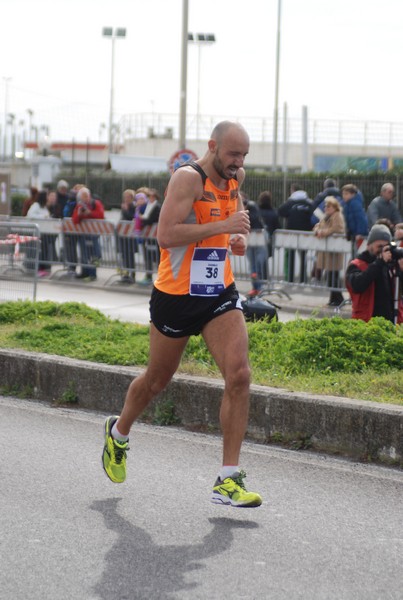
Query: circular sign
[(179, 158)]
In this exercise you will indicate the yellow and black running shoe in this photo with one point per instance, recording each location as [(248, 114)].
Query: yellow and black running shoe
[(114, 454), (232, 491)]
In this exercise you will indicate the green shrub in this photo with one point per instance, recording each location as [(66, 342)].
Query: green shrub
[(330, 344)]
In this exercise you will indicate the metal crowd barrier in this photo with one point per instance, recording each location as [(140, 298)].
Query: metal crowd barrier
[(89, 244), (66, 247), (136, 250), (20, 247), (299, 258)]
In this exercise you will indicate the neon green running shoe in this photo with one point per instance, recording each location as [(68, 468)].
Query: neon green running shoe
[(232, 491), (114, 454)]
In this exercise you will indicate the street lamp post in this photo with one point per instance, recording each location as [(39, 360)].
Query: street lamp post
[(275, 120), (6, 82), (11, 124), (184, 66), (201, 39), (113, 34), (21, 137)]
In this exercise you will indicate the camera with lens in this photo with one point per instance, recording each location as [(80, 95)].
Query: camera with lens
[(396, 251)]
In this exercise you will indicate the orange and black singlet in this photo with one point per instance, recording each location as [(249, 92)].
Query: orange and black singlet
[(202, 268)]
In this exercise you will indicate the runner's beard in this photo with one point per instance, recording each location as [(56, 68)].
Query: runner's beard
[(219, 168)]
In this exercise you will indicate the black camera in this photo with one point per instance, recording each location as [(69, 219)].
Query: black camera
[(396, 251)]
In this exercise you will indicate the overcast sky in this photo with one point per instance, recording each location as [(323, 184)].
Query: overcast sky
[(342, 59)]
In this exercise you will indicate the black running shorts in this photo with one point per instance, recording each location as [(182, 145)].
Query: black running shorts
[(185, 315)]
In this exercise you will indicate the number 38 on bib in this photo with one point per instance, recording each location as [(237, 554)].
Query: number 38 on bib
[(207, 272)]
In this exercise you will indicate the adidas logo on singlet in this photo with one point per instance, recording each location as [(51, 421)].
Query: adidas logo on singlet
[(213, 256)]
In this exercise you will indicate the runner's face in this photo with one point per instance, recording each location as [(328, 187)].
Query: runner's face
[(230, 155)]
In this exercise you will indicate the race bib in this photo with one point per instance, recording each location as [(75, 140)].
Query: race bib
[(207, 272)]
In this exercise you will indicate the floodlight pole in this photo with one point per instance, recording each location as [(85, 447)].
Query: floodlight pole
[(275, 121), (112, 34), (184, 68), (200, 39)]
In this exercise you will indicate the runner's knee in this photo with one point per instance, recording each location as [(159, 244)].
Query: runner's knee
[(157, 384), (239, 378)]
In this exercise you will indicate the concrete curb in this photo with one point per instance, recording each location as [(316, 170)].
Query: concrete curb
[(354, 428)]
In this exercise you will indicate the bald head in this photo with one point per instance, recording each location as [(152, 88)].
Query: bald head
[(227, 148), (387, 191), (225, 128)]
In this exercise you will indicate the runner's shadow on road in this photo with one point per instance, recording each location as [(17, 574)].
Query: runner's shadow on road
[(137, 567)]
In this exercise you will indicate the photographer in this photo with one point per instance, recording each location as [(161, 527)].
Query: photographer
[(372, 276)]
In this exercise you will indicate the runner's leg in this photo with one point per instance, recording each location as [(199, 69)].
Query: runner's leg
[(165, 356), (227, 340)]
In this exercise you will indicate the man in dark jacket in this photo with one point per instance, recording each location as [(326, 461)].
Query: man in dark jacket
[(149, 220), (297, 211), (62, 191), (384, 207)]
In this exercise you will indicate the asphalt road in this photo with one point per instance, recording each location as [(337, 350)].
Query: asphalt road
[(328, 528)]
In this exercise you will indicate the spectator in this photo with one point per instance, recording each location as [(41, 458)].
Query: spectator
[(383, 206), (256, 250), (329, 189), (141, 200), (354, 216), (71, 239), (297, 210), (62, 198), (388, 224), (150, 217), (371, 277), (39, 210), (88, 208), (332, 262), (51, 202), (399, 234), (269, 216), (28, 202), (318, 208), (52, 237), (128, 245)]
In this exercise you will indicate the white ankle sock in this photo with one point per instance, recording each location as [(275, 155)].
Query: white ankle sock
[(228, 471), (119, 437)]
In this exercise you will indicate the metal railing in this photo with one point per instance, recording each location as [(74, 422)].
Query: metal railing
[(298, 258), (20, 246), (301, 259), (117, 247)]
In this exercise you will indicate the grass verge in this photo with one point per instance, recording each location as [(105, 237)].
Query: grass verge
[(322, 356)]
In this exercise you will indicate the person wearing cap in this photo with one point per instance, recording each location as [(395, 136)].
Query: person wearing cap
[(371, 278)]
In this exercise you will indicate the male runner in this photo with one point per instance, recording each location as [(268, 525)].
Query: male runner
[(194, 293)]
